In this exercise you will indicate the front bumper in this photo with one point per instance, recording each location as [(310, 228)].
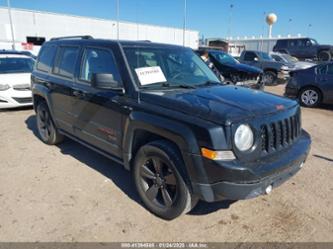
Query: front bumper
[(12, 98), (268, 171)]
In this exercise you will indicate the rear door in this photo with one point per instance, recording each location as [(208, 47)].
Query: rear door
[(61, 84), (98, 113), (326, 83)]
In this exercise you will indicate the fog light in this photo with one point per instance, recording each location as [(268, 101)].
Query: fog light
[(268, 190)]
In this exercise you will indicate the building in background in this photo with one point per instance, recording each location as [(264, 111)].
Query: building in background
[(236, 46), (32, 28)]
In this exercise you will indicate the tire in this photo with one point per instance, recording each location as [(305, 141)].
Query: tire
[(310, 97), (269, 78), (47, 131), (158, 181), (324, 56)]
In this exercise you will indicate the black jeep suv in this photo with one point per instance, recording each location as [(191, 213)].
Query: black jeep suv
[(304, 48), (161, 112)]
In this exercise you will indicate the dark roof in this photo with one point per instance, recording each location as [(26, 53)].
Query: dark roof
[(90, 40)]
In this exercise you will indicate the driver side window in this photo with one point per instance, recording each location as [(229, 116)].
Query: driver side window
[(97, 60)]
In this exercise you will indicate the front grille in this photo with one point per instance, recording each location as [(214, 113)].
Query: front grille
[(23, 100), (281, 134)]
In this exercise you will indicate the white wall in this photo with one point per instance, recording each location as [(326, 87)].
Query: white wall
[(48, 25)]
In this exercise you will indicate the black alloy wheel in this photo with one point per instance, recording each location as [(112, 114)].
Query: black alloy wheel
[(158, 181), (45, 126)]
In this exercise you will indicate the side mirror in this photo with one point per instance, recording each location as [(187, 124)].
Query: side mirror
[(105, 81)]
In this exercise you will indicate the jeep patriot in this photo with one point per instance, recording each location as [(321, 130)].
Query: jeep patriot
[(159, 111)]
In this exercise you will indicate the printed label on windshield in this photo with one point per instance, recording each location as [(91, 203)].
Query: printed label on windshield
[(150, 75)]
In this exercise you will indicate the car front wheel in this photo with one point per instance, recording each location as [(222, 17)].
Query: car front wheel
[(158, 181), (47, 131), (310, 97)]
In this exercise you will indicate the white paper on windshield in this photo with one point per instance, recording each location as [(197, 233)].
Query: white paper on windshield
[(150, 75)]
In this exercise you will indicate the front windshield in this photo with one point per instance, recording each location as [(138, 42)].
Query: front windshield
[(16, 65), (265, 56), (224, 58), (156, 67), (289, 58)]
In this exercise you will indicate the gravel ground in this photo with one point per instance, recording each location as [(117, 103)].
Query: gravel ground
[(70, 193)]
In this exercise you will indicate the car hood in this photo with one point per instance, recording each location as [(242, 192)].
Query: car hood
[(325, 46), (245, 68), (219, 104), (15, 78), (277, 64), (303, 65)]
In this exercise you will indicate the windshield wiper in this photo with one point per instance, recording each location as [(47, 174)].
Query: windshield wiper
[(211, 83)]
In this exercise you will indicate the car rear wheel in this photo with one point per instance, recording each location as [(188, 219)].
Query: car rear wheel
[(47, 131), (158, 181), (269, 78), (310, 97), (325, 56)]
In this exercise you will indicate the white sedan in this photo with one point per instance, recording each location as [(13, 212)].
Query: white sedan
[(15, 71)]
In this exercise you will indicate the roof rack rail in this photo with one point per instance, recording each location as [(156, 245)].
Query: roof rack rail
[(72, 37)]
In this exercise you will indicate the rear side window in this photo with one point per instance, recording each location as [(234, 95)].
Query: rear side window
[(45, 58), (97, 60), (65, 65)]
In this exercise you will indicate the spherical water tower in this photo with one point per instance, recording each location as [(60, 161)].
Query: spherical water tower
[(270, 20)]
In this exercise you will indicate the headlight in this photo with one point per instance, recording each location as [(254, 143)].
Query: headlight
[(244, 138), (4, 87)]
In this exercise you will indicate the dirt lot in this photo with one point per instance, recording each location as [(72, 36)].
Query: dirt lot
[(69, 193)]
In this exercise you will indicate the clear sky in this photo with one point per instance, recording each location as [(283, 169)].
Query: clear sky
[(210, 17)]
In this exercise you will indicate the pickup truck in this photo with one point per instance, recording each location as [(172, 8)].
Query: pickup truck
[(274, 72), (160, 112)]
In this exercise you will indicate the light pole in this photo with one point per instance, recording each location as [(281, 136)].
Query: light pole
[(185, 21), (117, 8), (11, 24), (230, 20), (289, 26)]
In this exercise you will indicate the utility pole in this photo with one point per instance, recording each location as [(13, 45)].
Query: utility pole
[(185, 21), (309, 26), (11, 24), (117, 7), (230, 21)]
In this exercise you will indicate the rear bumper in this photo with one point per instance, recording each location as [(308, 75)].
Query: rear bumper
[(273, 172), (291, 92)]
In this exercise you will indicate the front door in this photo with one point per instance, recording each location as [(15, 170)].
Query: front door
[(98, 113)]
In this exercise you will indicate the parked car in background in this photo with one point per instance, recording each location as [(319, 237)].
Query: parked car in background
[(28, 53), (233, 71), (286, 58), (312, 86), (304, 48), (274, 72), (15, 73), (162, 113)]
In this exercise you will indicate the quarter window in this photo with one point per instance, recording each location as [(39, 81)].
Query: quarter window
[(98, 61), (67, 60)]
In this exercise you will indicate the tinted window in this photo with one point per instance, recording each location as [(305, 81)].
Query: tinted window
[(292, 43), (301, 43), (16, 65), (98, 61), (45, 58), (249, 56), (282, 43), (66, 62)]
